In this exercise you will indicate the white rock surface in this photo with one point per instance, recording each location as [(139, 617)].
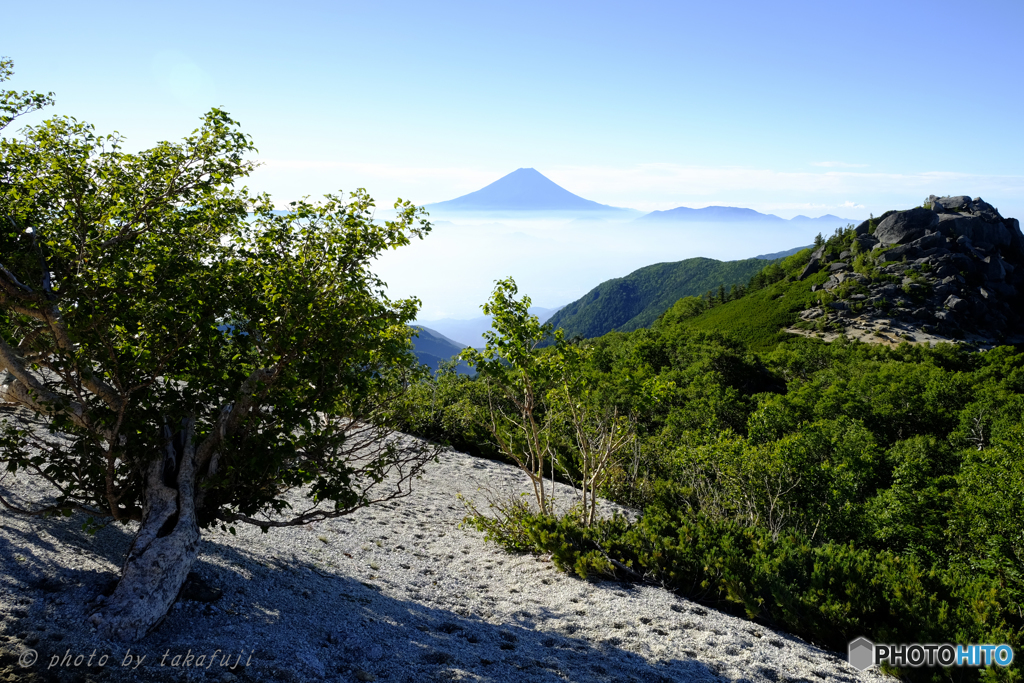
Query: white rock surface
[(396, 593)]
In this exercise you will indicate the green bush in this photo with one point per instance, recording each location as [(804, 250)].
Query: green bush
[(829, 593)]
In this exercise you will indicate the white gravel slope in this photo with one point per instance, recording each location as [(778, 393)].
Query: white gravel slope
[(396, 593)]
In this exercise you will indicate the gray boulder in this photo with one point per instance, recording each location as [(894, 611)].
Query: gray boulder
[(1002, 289), (955, 303), (862, 229), (866, 242), (906, 226), (899, 252), (810, 269), (1016, 237), (981, 231), (814, 265), (929, 241), (947, 224), (994, 233), (959, 203), (993, 267), (933, 253), (974, 228), (980, 207), (964, 263)]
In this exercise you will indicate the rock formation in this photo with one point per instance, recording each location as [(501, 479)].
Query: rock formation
[(951, 269)]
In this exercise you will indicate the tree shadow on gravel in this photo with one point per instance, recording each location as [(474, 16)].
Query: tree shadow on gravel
[(361, 627), (295, 621)]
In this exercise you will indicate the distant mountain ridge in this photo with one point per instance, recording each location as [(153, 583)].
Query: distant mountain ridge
[(734, 214), (782, 254), (524, 189), (432, 348), (470, 332), (636, 300)]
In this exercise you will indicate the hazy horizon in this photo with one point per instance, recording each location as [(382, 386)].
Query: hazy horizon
[(556, 261)]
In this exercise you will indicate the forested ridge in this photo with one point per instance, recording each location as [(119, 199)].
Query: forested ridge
[(636, 300), (834, 490)]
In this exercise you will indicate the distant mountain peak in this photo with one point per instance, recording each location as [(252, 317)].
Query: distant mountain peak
[(732, 214), (714, 214), (524, 189)]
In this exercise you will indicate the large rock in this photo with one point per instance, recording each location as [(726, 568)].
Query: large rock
[(955, 303), (866, 242), (818, 258), (906, 226), (812, 267), (899, 252), (960, 203), (1016, 237), (993, 267), (947, 224), (976, 228), (964, 263), (982, 208), (930, 241)]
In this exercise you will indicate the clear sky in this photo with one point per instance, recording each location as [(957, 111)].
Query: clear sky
[(785, 107)]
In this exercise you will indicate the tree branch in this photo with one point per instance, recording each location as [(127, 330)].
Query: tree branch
[(28, 391), (231, 415)]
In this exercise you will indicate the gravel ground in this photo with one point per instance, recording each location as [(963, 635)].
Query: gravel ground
[(395, 593)]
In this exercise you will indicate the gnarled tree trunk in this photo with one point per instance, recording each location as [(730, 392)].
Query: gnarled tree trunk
[(164, 549)]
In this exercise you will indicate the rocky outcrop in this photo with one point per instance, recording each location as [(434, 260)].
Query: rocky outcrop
[(906, 226), (953, 268)]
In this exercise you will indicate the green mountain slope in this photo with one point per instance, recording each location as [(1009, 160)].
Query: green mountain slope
[(432, 347), (759, 318), (636, 300)]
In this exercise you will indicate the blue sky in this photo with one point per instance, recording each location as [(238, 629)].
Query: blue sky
[(786, 107)]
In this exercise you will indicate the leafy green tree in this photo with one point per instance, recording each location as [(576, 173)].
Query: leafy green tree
[(178, 362), (14, 104), (910, 516), (547, 410), (518, 376), (601, 431)]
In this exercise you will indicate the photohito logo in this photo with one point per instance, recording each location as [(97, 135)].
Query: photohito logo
[(863, 653)]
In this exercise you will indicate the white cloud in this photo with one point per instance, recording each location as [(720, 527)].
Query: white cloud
[(837, 164)]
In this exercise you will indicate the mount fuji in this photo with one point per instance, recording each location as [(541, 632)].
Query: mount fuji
[(527, 190)]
